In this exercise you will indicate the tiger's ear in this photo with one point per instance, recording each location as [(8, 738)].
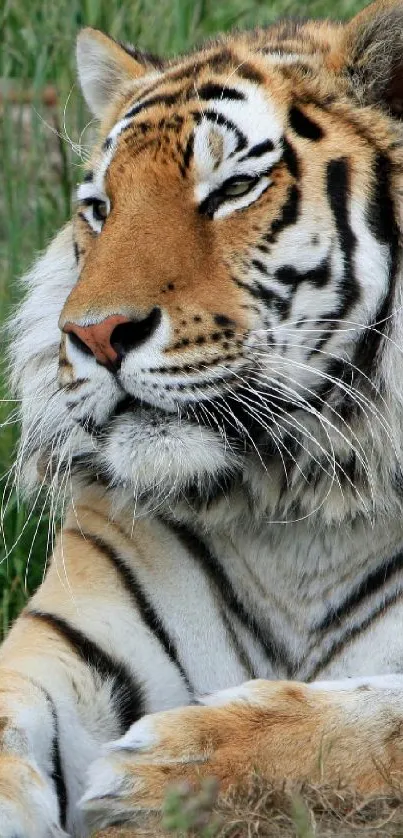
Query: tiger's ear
[(104, 67), (374, 52)]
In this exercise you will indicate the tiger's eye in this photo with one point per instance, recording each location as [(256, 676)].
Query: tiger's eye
[(236, 188), (100, 210)]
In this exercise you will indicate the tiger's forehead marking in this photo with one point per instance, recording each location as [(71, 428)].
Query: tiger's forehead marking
[(251, 133), (237, 130)]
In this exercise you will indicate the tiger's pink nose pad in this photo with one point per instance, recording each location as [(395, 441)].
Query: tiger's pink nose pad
[(97, 339)]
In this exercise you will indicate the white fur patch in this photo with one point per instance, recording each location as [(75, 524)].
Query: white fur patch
[(372, 682), (243, 693), (30, 810), (140, 737)]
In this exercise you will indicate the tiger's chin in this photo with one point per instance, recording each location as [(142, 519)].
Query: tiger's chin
[(150, 457), (163, 454)]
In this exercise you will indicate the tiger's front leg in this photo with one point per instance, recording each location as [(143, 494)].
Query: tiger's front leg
[(32, 794), (347, 732), (77, 669), (47, 735)]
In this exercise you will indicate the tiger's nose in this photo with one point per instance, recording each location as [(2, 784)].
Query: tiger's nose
[(111, 339)]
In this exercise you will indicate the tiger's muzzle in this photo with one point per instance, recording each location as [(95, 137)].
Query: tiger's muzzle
[(114, 337)]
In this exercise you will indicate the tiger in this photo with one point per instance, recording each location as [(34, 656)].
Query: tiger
[(208, 359)]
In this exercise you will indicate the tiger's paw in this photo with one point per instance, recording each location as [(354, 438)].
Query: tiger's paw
[(178, 746), (276, 729)]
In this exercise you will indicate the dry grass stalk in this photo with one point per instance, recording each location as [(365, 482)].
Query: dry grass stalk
[(291, 811)]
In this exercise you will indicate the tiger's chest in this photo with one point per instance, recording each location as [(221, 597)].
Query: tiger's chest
[(307, 603), (190, 612)]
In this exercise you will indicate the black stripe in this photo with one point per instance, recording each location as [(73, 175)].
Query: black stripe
[(382, 222), (338, 189), (142, 603), (223, 320), (221, 61), (353, 632), (249, 73), (273, 647), (223, 122), (289, 276), (272, 300), (259, 149), (267, 296), (57, 774), (188, 153), (88, 177), (305, 127), (126, 693), (369, 586), (381, 211), (289, 215), (184, 72), (167, 99), (242, 653), (290, 158), (319, 276), (217, 91), (260, 267), (210, 204)]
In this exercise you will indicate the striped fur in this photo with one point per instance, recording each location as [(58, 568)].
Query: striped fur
[(238, 228)]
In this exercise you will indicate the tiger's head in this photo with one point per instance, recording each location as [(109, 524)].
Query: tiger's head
[(226, 300)]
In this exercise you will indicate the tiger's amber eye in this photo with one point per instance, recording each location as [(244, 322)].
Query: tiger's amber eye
[(236, 188)]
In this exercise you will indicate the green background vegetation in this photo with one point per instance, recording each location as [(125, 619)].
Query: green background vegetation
[(39, 170)]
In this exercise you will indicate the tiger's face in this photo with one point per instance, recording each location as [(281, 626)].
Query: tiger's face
[(236, 248)]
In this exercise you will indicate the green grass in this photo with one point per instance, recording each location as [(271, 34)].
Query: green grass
[(38, 170)]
